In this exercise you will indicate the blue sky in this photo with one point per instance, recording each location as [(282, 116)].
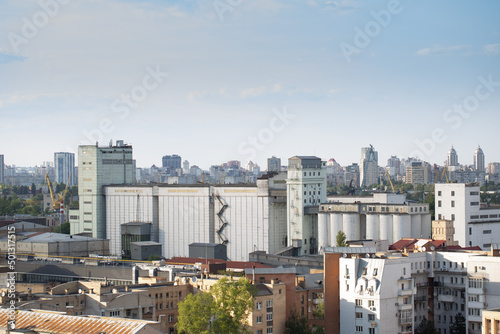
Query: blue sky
[(229, 67)]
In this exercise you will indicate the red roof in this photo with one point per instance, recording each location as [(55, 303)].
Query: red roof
[(229, 264), (409, 243)]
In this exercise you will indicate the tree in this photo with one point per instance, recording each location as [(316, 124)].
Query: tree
[(426, 327), (297, 324), (228, 304), (341, 239), (195, 313), (233, 303), (458, 326), (319, 311)]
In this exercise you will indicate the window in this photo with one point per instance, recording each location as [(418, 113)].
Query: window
[(474, 203), (259, 331), (347, 287), (359, 302), (453, 216), (359, 329), (371, 303), (359, 315), (259, 319), (170, 318), (452, 193), (476, 283), (258, 306), (375, 271), (487, 232), (439, 216), (371, 330), (269, 303), (452, 204), (371, 317), (269, 330), (439, 204), (470, 230), (439, 193)]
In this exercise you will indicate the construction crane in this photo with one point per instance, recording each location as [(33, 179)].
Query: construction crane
[(445, 173), (56, 202), (366, 164), (389, 176)]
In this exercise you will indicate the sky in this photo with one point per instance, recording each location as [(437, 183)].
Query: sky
[(245, 80)]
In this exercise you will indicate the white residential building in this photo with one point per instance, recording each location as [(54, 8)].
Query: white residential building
[(306, 188), (394, 294), (476, 224)]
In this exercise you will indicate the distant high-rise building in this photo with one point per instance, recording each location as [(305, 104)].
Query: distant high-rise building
[(99, 166), (368, 167), (273, 164), (351, 173), (185, 167), (64, 163), (171, 161), (394, 165), (234, 164), (494, 168), (452, 158), (417, 172), (2, 168), (479, 160)]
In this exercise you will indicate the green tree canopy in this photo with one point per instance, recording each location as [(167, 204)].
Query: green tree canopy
[(426, 327), (195, 313), (341, 239), (297, 324), (458, 326), (228, 304)]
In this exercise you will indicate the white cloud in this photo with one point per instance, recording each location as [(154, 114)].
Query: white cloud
[(440, 50), (491, 49)]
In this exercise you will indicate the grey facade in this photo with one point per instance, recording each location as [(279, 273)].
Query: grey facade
[(64, 164), (208, 251)]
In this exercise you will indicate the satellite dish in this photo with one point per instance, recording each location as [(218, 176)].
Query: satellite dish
[(374, 256), (345, 255), (3, 293), (424, 249), (432, 248), (79, 291), (194, 279), (367, 256)]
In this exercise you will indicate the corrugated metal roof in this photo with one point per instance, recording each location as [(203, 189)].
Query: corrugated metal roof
[(50, 322)]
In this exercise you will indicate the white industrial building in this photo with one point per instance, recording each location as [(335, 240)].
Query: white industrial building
[(476, 223), (394, 294), (245, 218), (380, 216), (305, 189), (97, 167)]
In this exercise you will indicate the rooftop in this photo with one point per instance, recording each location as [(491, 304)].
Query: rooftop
[(55, 322)]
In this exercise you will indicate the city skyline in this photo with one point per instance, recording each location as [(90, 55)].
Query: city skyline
[(219, 81)]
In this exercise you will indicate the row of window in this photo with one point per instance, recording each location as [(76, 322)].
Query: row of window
[(359, 329), (269, 330), (269, 317), (313, 173)]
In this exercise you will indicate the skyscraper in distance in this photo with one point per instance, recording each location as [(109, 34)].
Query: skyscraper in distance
[(479, 164), (64, 163)]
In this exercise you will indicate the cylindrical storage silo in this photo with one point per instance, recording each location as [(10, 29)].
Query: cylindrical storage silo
[(416, 226), (385, 231), (426, 225), (350, 223), (335, 227), (401, 227), (372, 227), (322, 231)]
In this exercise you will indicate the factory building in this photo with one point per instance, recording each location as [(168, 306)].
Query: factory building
[(245, 218), (306, 188), (381, 216), (476, 223)]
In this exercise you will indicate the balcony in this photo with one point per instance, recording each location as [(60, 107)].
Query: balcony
[(404, 321), (402, 278), (420, 299), (446, 298), (476, 291), (405, 292), (403, 307)]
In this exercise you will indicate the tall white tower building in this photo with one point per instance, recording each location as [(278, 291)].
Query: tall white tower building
[(452, 158), (306, 188), (99, 166), (64, 163), (368, 167), (479, 160)]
